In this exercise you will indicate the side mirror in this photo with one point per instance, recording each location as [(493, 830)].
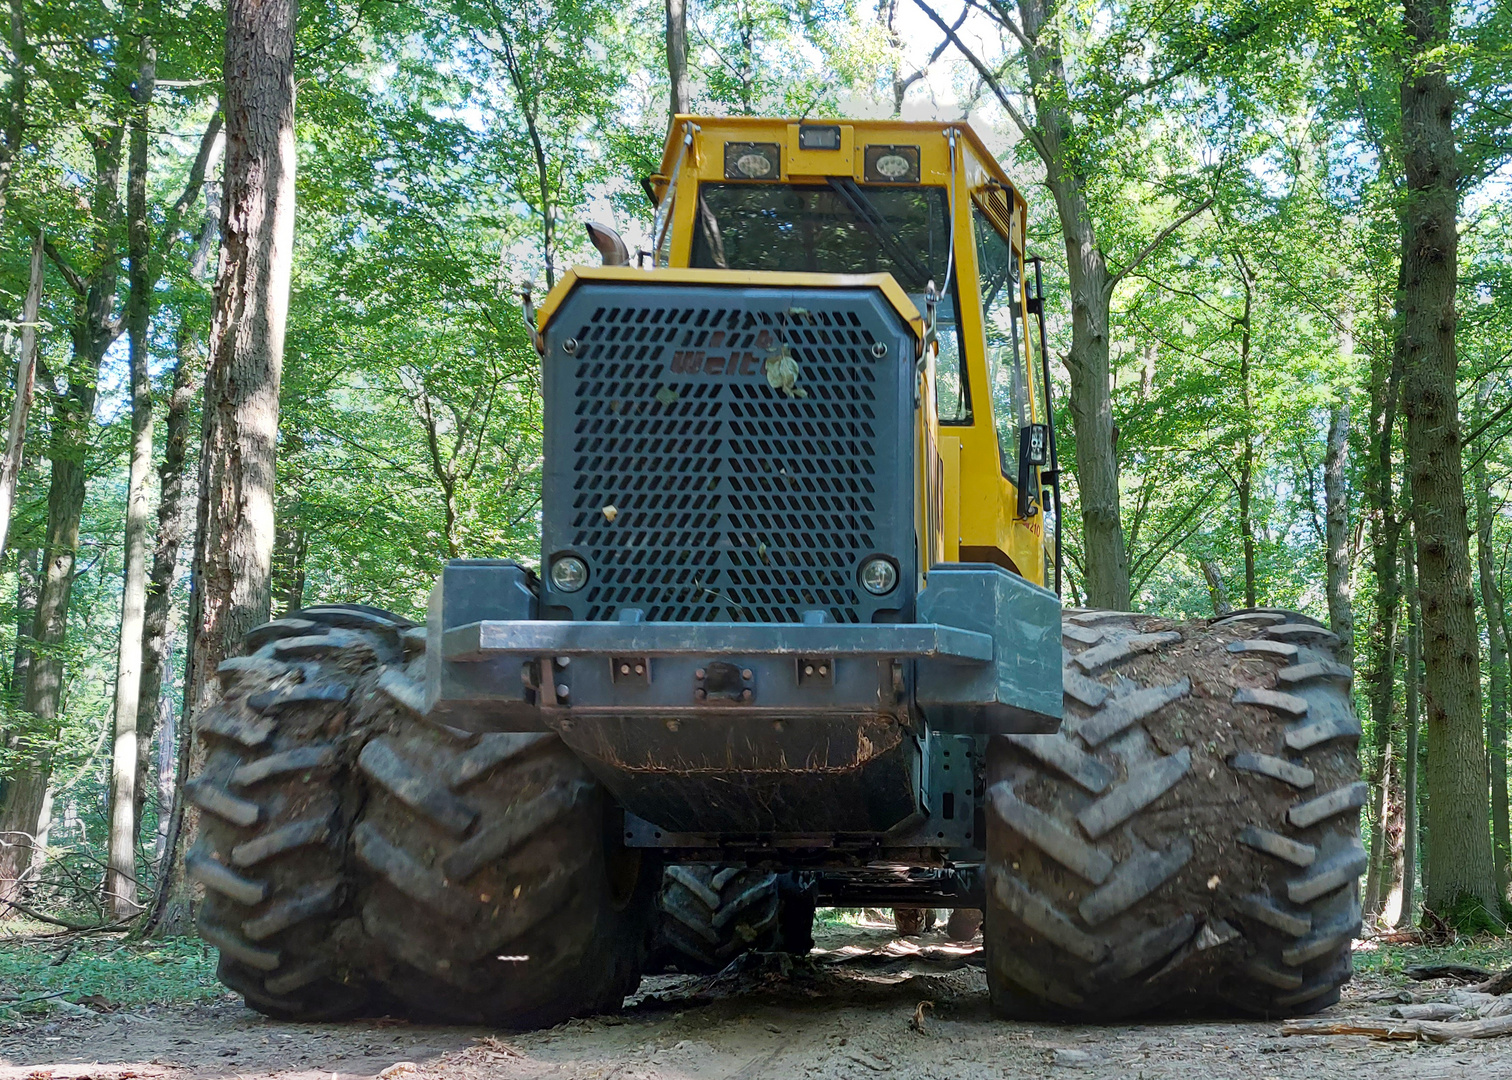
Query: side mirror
[(1034, 453), (610, 247)]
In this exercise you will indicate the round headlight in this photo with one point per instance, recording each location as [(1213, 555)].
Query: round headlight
[(879, 576), (569, 573)]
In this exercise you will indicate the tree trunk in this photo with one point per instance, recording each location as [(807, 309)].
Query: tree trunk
[(26, 377), (19, 73), (27, 791), (233, 545), (167, 754), (1385, 533), (1247, 451), (1217, 592), (1091, 286), (1336, 514), (28, 585), (170, 536), (1496, 639), (1410, 750), (677, 56), (121, 868), (291, 542), (92, 332), (1459, 845)]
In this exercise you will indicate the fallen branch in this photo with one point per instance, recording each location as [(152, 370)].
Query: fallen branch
[(52, 921), (1500, 983), (1462, 972), (1437, 1031), (8, 1002)]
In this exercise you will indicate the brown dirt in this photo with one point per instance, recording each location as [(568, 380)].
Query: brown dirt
[(844, 1015)]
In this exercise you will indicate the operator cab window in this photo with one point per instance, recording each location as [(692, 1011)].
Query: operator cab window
[(998, 264), (841, 228)]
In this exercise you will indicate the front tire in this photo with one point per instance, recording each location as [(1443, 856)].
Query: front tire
[(276, 800), (1192, 832), (495, 887)]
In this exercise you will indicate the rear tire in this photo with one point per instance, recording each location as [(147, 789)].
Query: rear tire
[(963, 924), (1191, 833), (276, 803), (495, 889), (711, 915)]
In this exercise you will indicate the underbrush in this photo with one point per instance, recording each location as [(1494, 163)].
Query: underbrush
[(105, 972), (1488, 951)]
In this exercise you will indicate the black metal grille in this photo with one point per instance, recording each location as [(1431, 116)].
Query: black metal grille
[(702, 493)]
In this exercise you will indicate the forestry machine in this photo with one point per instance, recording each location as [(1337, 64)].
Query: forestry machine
[(790, 643)]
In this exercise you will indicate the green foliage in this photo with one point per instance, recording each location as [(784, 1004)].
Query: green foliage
[(449, 151), (110, 971)]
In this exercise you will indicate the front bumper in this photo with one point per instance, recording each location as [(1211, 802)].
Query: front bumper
[(759, 729)]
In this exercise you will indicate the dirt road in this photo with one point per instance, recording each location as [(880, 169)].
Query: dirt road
[(845, 1015)]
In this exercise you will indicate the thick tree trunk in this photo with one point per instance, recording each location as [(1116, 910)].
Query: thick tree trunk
[(233, 546), (121, 866), (1336, 511), (26, 378), (1496, 639), (677, 56), (1459, 844), (1413, 719), (1091, 285)]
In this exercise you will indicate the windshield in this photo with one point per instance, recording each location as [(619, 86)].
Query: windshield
[(835, 228)]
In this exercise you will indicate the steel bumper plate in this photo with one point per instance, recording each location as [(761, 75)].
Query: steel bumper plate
[(490, 640)]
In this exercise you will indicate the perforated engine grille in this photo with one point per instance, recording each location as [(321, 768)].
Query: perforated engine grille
[(695, 489)]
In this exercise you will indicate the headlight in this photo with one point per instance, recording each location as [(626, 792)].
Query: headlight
[(569, 573), (879, 576)]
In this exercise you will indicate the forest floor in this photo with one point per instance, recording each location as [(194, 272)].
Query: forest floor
[(844, 1014)]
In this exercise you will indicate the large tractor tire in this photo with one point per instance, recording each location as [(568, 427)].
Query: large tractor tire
[(710, 915), (1190, 835), (493, 885), (276, 800)]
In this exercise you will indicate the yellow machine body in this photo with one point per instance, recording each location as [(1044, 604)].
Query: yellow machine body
[(966, 497)]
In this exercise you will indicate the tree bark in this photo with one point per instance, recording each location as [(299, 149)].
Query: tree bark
[(167, 779), (121, 867), (1217, 591), (1385, 530), (159, 614), (234, 524), (1496, 641), (94, 329), (1459, 844), (26, 378), (1410, 751), (1091, 287), (1336, 517), (14, 127), (1247, 451), (677, 56)]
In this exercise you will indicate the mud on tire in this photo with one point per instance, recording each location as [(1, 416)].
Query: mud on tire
[(276, 802), (493, 886), (1193, 830)]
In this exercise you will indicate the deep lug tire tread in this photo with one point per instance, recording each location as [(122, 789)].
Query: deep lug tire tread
[(276, 799), (491, 889), (709, 915), (1191, 834)]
